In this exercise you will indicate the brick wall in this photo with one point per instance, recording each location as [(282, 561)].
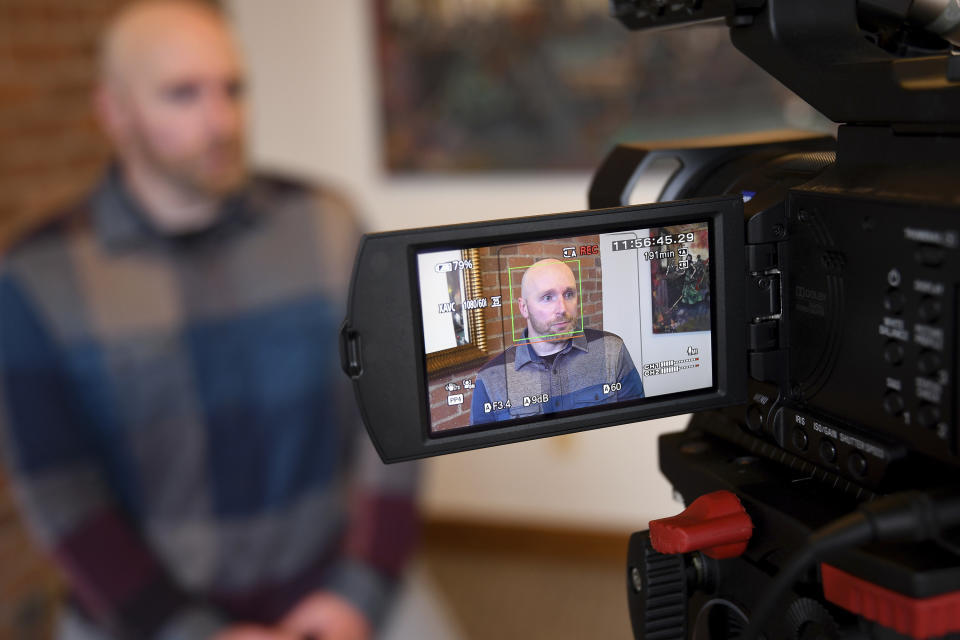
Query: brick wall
[(497, 265), (505, 267), (52, 149), (50, 152)]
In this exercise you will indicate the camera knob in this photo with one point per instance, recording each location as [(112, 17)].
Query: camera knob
[(657, 591), (808, 619), (715, 523)]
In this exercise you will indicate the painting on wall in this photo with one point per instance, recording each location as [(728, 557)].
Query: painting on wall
[(528, 85), (680, 280)]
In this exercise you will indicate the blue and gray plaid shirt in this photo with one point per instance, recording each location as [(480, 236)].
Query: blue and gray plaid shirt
[(593, 368), (175, 421)]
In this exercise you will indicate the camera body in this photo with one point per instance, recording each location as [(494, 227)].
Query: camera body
[(854, 385), (851, 291), (832, 292), (852, 269)]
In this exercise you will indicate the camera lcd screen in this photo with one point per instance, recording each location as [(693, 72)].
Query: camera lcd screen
[(524, 331)]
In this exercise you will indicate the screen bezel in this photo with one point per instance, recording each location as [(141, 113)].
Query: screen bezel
[(391, 383), (551, 236)]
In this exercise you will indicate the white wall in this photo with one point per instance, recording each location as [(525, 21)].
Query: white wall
[(315, 115), (629, 314), (438, 331)]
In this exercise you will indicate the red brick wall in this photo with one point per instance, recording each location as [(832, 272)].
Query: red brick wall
[(495, 265), (50, 153), (498, 265), (51, 147)]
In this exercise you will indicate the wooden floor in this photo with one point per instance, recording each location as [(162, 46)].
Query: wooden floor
[(510, 591), (475, 581), (29, 586)]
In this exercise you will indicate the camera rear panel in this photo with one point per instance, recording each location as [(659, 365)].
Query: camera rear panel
[(870, 294)]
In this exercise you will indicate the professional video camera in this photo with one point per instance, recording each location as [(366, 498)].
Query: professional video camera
[(800, 294)]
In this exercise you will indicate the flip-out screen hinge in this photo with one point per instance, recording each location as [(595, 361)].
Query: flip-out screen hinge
[(764, 308)]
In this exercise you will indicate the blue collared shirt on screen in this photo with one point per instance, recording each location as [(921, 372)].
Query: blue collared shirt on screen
[(594, 368)]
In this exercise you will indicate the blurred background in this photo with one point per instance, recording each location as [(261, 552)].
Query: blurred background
[(423, 112)]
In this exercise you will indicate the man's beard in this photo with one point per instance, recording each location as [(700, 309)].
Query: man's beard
[(547, 329), (193, 174)]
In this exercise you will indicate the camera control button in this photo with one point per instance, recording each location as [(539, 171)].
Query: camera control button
[(894, 302), (800, 439), (893, 352), (929, 309), (894, 278), (893, 403), (929, 255), (929, 362), (857, 464), (828, 450), (928, 415)]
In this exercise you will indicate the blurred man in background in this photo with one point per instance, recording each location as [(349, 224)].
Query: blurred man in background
[(172, 410)]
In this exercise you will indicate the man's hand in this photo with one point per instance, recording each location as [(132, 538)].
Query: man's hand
[(254, 632), (326, 616)]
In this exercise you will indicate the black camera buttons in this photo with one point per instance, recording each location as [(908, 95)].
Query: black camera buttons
[(893, 352), (928, 415), (929, 255), (857, 464), (828, 450), (929, 362), (800, 439), (894, 301), (930, 309), (893, 403)]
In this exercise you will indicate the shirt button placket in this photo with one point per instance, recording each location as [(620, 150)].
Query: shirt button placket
[(555, 390)]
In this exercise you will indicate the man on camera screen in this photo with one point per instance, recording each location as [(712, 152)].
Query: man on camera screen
[(529, 329), (559, 365)]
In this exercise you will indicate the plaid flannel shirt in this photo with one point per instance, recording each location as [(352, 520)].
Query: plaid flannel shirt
[(175, 422), (580, 375)]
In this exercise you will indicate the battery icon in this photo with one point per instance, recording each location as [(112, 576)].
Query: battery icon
[(443, 267)]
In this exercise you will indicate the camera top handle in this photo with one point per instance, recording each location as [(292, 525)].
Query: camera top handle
[(879, 62)]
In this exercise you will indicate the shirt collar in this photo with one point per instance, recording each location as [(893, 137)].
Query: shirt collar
[(526, 354), (121, 222)]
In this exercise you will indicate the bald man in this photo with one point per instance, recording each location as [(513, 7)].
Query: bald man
[(559, 365), (172, 411)]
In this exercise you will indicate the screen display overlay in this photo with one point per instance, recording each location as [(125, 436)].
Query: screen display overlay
[(519, 331)]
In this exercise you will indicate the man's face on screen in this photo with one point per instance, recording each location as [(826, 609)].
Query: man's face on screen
[(549, 299)]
